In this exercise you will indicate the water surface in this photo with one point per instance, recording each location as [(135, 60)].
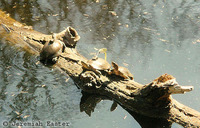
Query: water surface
[(150, 38)]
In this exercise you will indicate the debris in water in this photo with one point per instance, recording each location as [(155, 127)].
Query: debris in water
[(55, 15), (37, 62), (163, 40), (23, 92), (86, 15), (104, 7), (67, 80), (17, 113), (197, 41), (113, 13), (43, 85), (26, 116), (125, 64), (167, 50)]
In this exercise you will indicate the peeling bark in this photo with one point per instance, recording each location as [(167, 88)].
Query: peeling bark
[(152, 100)]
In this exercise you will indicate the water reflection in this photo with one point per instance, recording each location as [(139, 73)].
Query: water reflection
[(28, 89), (152, 38), (90, 101)]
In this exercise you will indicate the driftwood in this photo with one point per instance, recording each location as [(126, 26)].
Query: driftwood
[(150, 101)]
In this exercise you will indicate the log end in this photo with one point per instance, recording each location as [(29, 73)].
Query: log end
[(161, 89), (69, 36), (169, 82)]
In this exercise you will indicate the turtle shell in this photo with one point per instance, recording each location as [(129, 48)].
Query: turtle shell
[(51, 50), (99, 64), (125, 72)]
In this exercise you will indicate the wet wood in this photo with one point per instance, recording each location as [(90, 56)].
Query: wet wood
[(152, 100)]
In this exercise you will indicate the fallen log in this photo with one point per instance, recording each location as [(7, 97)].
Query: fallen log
[(152, 100)]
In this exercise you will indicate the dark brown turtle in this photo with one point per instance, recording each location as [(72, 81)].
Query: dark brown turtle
[(51, 51), (97, 65), (121, 71)]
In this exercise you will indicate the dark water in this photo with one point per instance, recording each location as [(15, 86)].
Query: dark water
[(151, 37)]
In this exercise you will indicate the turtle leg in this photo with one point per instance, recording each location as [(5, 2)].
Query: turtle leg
[(55, 59), (97, 71), (126, 77), (110, 72), (89, 67)]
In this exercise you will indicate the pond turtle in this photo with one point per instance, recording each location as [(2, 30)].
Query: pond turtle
[(96, 64), (121, 71), (51, 51)]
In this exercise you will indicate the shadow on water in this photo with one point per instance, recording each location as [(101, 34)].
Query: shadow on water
[(152, 38), (90, 101)]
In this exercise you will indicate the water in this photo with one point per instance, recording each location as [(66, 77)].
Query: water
[(150, 38)]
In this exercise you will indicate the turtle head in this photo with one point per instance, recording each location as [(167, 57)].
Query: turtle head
[(115, 66)]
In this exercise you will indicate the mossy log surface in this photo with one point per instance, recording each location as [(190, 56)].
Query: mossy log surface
[(151, 100)]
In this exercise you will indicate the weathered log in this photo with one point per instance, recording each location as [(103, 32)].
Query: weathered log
[(151, 100)]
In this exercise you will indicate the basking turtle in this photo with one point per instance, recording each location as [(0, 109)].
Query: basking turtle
[(121, 71), (96, 64), (51, 51)]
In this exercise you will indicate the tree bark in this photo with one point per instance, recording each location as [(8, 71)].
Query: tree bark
[(152, 100)]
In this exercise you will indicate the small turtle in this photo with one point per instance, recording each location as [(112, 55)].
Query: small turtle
[(51, 51), (96, 64), (121, 71)]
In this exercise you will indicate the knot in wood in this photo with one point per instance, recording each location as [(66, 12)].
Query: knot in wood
[(90, 80)]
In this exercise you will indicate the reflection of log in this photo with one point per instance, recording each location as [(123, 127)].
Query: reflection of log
[(151, 100)]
